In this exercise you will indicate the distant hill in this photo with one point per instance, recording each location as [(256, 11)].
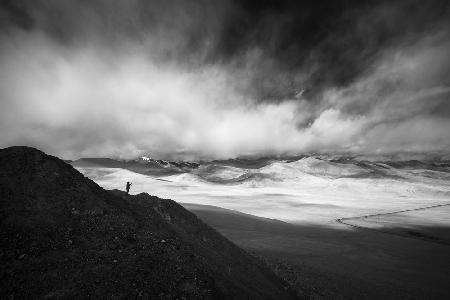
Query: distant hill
[(144, 165), (62, 236)]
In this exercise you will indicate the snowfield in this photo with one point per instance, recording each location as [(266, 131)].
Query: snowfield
[(308, 190)]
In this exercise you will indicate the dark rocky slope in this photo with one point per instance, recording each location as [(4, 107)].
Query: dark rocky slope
[(62, 236)]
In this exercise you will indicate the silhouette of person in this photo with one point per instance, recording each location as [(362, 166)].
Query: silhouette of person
[(128, 187)]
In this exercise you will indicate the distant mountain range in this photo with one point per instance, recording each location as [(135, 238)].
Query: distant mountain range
[(143, 165), (244, 169)]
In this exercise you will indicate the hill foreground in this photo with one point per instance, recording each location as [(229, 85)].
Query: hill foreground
[(62, 236)]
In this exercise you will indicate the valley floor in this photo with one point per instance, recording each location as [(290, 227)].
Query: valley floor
[(340, 262)]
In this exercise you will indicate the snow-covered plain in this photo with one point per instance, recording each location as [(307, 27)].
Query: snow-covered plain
[(308, 190)]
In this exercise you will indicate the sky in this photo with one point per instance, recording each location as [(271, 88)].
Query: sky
[(219, 79)]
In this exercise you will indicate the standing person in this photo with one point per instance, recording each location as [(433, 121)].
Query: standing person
[(128, 187)]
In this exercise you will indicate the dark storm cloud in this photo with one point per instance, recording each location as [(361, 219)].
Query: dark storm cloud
[(225, 78), (332, 41)]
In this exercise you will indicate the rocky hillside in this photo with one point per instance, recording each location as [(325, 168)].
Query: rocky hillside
[(62, 236)]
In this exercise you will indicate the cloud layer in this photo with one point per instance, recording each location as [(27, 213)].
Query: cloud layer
[(182, 79)]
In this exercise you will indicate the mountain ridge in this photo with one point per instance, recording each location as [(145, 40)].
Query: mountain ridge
[(62, 236)]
